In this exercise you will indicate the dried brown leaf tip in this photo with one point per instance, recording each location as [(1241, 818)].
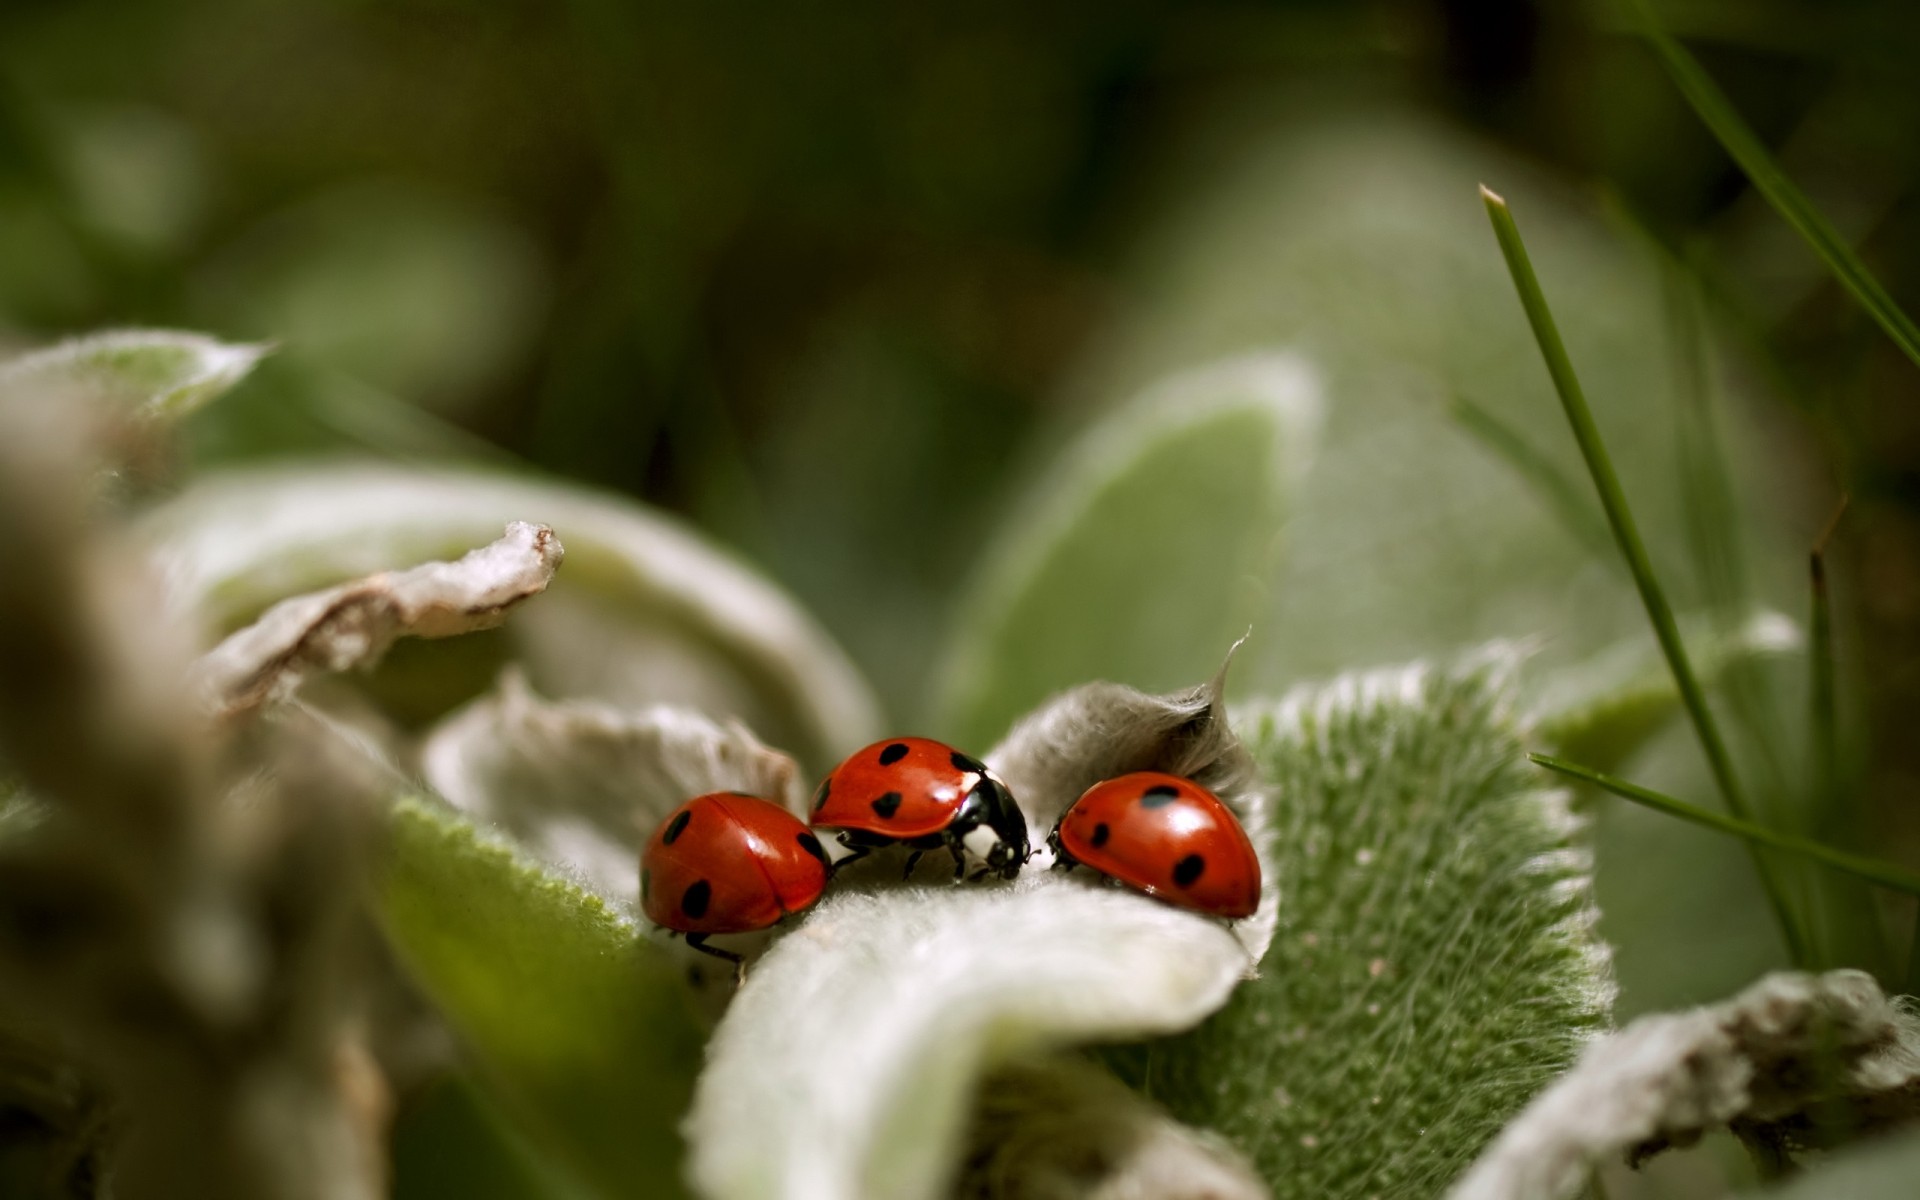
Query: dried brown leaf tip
[(1794, 1062), (352, 625), (1101, 730)]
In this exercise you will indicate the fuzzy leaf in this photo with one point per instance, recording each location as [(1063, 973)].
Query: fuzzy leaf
[(582, 784), (1791, 1062), (580, 1024), (1434, 962), (1602, 711), (147, 374), (1162, 521), (646, 611), (845, 1065), (1063, 1129)]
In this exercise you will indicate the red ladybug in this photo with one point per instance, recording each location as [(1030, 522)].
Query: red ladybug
[(928, 795), (729, 863), (1165, 835)]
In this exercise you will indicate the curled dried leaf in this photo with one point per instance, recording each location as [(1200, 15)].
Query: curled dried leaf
[(1063, 1129), (1786, 1062), (1099, 730), (579, 782), (353, 624), (845, 1065)]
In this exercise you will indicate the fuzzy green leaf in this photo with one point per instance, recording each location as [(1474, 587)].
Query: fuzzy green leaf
[(1162, 522), (149, 374), (580, 1024), (1434, 963)]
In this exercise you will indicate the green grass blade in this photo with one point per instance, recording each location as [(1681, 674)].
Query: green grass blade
[(1873, 870), (1627, 535), (1739, 140), (1526, 460), (1821, 700)]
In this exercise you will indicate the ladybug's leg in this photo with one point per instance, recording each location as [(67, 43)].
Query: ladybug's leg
[(856, 852), (959, 852), (913, 860), (698, 941)]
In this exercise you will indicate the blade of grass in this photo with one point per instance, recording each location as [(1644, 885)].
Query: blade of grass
[(1532, 466), (1627, 535), (1877, 871), (1820, 679), (1739, 140)]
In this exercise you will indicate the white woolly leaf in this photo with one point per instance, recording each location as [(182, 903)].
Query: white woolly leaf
[(583, 783), (847, 1063), (580, 1024), (1433, 964), (1790, 1060), (645, 612), (148, 374), (1143, 552)]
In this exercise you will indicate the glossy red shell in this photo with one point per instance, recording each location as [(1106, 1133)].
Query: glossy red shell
[(901, 788), (1168, 837), (728, 863)]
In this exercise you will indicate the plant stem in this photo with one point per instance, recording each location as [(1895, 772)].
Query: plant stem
[(1739, 140), (1627, 535), (1820, 681), (1877, 871)]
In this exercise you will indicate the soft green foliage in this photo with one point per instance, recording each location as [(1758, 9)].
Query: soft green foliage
[(1145, 554), (1434, 964), (450, 1141), (1601, 713), (151, 374), (580, 1024), (1790, 202)]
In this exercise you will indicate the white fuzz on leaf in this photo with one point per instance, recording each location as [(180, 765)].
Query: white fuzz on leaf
[(146, 374), (1063, 1129), (847, 1064), (1785, 1060), (582, 783), (352, 625), (1100, 730)]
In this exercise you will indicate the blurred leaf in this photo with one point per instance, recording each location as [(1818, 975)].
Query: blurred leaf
[(1145, 553), (581, 1025), (1604, 710), (1434, 963), (646, 611), (450, 1144), (150, 374), (1746, 148), (1881, 1170)]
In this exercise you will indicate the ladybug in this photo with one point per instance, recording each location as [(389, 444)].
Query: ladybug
[(1167, 836), (727, 862), (928, 795)]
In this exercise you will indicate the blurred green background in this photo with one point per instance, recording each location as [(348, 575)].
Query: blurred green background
[(833, 281)]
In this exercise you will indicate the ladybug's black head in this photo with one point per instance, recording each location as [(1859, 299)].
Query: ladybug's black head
[(992, 828)]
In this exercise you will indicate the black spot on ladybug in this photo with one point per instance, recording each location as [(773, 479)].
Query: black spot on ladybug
[(677, 826), (1160, 795), (811, 845), (1100, 834), (894, 752), (820, 797), (888, 805), (695, 899), (968, 763), (1188, 869)]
